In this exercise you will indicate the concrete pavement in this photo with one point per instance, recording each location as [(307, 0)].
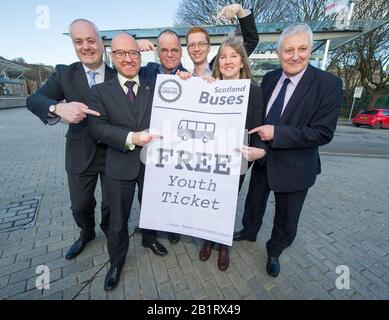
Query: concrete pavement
[(344, 223)]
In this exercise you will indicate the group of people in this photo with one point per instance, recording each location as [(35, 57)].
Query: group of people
[(293, 113)]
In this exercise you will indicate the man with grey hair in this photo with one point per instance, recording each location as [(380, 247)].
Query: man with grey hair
[(170, 54), (169, 51), (303, 105), (65, 96)]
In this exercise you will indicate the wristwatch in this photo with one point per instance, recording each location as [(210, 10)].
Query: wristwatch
[(52, 109)]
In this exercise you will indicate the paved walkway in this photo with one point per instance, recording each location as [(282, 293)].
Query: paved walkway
[(344, 223)]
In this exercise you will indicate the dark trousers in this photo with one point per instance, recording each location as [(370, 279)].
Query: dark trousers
[(287, 212), (120, 196), (82, 196)]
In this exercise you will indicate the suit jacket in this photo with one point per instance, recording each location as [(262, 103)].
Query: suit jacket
[(309, 121), (255, 114), (116, 121), (151, 71), (249, 34), (71, 84)]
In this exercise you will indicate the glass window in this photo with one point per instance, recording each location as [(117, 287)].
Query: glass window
[(201, 126), (369, 112), (192, 125), (183, 125), (210, 127)]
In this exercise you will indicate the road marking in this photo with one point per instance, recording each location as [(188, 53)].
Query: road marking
[(355, 155)]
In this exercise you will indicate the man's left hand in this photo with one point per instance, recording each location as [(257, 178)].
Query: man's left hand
[(266, 132)]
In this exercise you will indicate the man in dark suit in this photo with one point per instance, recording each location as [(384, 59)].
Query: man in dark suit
[(170, 54), (124, 104), (303, 105), (64, 96)]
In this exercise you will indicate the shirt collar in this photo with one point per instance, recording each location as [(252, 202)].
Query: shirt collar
[(123, 80), (207, 71), (173, 72), (295, 79), (99, 70)]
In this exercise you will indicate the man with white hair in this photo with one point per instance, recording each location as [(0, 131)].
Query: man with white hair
[(303, 105), (64, 96)]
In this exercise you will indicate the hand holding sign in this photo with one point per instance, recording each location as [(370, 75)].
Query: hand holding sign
[(252, 154), (143, 138)]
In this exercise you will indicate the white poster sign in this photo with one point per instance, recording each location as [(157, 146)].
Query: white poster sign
[(192, 174)]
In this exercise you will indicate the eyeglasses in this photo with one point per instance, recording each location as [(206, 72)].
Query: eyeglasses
[(200, 45), (121, 54), (165, 51)]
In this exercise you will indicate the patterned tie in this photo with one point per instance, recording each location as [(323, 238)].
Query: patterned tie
[(92, 76), (130, 93), (274, 115)]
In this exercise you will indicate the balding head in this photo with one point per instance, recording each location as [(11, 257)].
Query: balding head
[(87, 43), (126, 55), (169, 49)]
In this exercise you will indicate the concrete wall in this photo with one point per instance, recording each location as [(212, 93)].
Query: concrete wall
[(12, 102)]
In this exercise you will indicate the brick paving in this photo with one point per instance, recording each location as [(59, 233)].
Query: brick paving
[(344, 223)]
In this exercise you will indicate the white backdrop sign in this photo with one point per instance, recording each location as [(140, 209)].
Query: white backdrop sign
[(192, 174)]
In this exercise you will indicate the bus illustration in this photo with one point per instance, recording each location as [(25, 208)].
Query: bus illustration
[(204, 131)]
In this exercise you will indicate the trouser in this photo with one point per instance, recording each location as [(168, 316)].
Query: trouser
[(287, 212), (120, 196), (83, 202)]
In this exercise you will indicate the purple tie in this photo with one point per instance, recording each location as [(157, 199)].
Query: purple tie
[(130, 93)]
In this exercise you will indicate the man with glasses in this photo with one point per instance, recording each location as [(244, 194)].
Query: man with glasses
[(198, 41), (124, 104), (169, 51), (170, 54), (85, 157)]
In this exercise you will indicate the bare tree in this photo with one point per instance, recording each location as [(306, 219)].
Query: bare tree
[(368, 55), (204, 12), (306, 10), (343, 64)]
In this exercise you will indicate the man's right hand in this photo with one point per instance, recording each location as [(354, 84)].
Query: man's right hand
[(74, 112)]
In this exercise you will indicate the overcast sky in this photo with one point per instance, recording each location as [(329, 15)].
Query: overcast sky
[(34, 29)]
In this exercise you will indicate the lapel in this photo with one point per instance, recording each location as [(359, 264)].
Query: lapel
[(81, 82), (298, 94), (120, 98), (109, 73), (269, 86), (144, 96)]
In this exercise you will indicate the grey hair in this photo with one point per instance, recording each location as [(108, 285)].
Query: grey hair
[(86, 21), (171, 32), (296, 28)]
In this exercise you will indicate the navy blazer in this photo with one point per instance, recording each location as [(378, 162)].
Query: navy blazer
[(151, 71), (116, 121), (309, 121), (69, 83)]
